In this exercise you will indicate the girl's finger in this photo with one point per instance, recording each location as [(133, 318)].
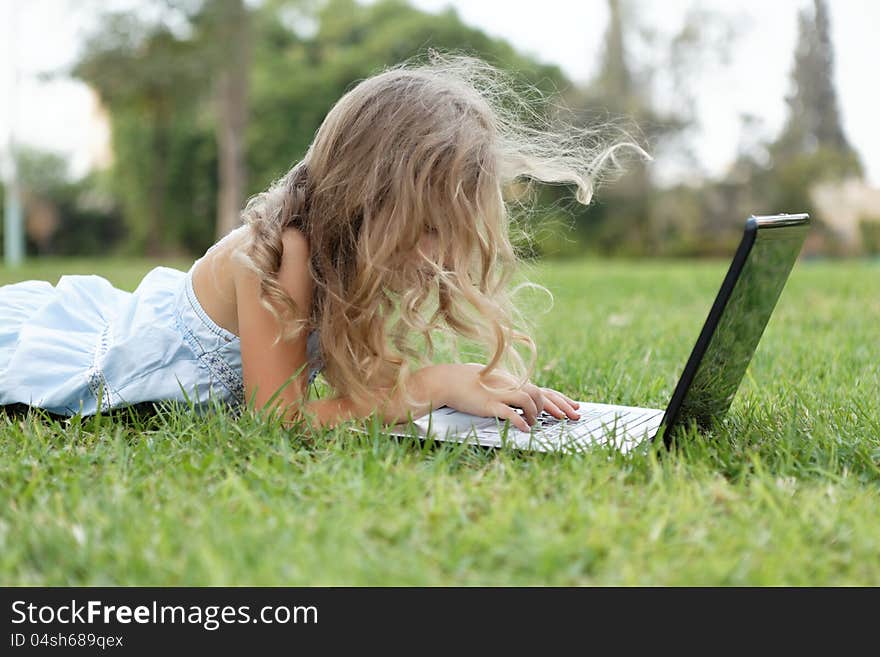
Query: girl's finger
[(567, 399), (563, 402), (553, 409), (537, 395), (505, 412), (524, 400)]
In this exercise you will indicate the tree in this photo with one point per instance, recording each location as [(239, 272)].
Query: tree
[(179, 90), (615, 80), (64, 216), (299, 75), (224, 41), (148, 77), (159, 85), (812, 147), (620, 95), (813, 116)]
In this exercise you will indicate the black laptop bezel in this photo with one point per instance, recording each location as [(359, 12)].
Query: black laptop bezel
[(750, 233)]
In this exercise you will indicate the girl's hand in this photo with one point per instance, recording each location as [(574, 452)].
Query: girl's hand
[(460, 389)]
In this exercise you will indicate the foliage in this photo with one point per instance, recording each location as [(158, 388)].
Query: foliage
[(87, 221), (870, 230), (155, 83), (159, 77), (620, 100), (297, 80), (150, 79), (778, 176), (813, 119), (783, 185), (189, 159)]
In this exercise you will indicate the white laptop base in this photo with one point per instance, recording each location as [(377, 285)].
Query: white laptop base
[(624, 427)]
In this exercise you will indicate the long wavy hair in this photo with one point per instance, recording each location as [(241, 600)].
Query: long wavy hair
[(422, 147)]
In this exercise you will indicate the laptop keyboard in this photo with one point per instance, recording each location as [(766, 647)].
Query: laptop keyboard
[(595, 422), (626, 426)]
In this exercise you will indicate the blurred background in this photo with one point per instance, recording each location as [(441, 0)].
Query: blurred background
[(140, 127)]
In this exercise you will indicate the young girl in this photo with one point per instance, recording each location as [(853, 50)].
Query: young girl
[(400, 196)]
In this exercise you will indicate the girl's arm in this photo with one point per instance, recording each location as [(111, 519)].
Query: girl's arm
[(426, 384), (267, 366)]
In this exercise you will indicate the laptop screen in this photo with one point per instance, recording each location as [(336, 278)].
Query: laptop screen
[(741, 323)]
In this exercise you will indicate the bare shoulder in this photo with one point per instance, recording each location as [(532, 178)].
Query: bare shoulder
[(293, 274)]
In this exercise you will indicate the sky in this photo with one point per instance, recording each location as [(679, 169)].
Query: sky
[(59, 114)]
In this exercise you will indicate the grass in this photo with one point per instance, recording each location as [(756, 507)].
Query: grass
[(785, 492)]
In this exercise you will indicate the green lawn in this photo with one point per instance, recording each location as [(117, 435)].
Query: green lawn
[(786, 492)]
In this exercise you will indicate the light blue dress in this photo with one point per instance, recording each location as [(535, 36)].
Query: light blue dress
[(66, 347)]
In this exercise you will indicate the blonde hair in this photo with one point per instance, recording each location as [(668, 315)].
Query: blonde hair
[(419, 147)]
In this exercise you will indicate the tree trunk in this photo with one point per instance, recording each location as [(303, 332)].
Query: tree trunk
[(232, 108)]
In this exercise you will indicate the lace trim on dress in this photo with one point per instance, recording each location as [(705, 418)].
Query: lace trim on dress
[(220, 369), (95, 376), (216, 364)]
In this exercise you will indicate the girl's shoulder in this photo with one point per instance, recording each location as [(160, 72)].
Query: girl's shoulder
[(222, 275), (214, 280), (293, 274), (296, 244)]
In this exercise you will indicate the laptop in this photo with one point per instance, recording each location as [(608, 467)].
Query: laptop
[(760, 267)]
